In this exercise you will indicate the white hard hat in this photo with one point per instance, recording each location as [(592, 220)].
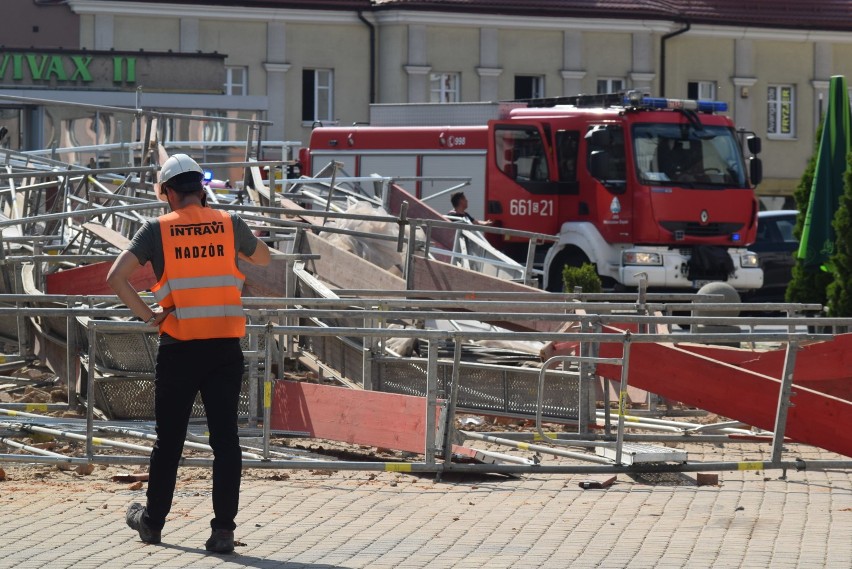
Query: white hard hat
[(178, 164)]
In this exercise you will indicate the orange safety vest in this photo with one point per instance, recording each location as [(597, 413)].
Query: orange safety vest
[(200, 278)]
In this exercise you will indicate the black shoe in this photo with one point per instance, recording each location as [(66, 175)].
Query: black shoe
[(220, 541), (134, 520)]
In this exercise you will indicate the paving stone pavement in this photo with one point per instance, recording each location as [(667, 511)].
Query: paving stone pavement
[(343, 519)]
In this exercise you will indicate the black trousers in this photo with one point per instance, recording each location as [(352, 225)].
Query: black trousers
[(215, 369)]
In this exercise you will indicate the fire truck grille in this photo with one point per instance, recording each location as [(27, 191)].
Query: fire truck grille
[(693, 229)]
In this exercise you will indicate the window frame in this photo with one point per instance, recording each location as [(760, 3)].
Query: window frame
[(536, 86), (454, 90), (231, 86), (775, 107), (319, 87), (703, 85), (609, 85)]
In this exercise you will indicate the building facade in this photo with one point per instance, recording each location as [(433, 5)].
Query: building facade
[(299, 64)]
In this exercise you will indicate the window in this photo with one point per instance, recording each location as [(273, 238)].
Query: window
[(444, 87), (317, 95), (610, 85), (236, 80), (667, 154), (520, 153), (529, 86), (567, 143), (605, 146), (701, 90), (780, 115)]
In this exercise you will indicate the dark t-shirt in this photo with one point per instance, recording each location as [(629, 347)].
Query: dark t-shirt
[(456, 216), (147, 244)]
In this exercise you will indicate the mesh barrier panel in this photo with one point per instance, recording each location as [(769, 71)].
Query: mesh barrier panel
[(131, 352), (496, 390), (132, 398), (484, 389)]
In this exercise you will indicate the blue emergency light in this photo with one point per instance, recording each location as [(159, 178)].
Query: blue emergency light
[(685, 104), (208, 175)]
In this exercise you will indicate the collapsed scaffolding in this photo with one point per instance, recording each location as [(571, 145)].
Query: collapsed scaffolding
[(443, 387), (347, 334)]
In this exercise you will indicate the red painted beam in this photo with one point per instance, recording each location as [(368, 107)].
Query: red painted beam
[(814, 418), (822, 366), (91, 279)]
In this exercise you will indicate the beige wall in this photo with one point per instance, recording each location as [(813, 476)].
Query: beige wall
[(455, 50), (607, 56), (230, 38), (525, 52), (345, 50), (779, 62), (392, 57), (151, 34), (699, 59)]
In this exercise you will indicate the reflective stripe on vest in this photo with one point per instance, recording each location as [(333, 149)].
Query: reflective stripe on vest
[(196, 282), (200, 278)]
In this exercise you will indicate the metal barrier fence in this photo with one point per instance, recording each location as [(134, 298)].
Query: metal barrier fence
[(433, 376)]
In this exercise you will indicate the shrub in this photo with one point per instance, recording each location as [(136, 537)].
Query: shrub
[(585, 276)]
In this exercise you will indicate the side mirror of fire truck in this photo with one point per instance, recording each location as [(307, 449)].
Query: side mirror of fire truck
[(599, 164), (755, 170), (753, 143)]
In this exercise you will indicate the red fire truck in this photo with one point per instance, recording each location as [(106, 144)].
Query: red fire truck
[(630, 183)]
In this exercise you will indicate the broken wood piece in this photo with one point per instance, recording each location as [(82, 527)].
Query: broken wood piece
[(597, 483), (132, 477)]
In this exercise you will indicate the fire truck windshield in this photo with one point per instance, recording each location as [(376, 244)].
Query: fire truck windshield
[(686, 156)]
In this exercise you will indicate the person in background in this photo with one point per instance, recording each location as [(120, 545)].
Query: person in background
[(459, 211), (193, 251)]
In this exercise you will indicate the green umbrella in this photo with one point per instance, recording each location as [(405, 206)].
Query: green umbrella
[(817, 243)]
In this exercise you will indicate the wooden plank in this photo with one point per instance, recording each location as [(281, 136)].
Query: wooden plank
[(435, 275), (109, 235), (268, 281), (384, 420), (342, 269)]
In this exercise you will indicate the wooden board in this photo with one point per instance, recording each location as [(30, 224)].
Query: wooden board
[(111, 236), (384, 420), (342, 269)]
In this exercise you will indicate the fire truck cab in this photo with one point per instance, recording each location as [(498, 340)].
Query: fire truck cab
[(630, 183)]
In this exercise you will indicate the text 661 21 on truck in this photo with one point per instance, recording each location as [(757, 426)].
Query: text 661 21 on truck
[(630, 183)]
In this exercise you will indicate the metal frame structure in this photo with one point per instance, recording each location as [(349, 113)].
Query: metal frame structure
[(440, 435)]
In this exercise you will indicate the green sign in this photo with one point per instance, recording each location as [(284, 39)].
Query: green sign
[(37, 68)]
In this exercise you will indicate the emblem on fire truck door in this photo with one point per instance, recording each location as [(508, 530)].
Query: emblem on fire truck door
[(705, 217), (615, 207)]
